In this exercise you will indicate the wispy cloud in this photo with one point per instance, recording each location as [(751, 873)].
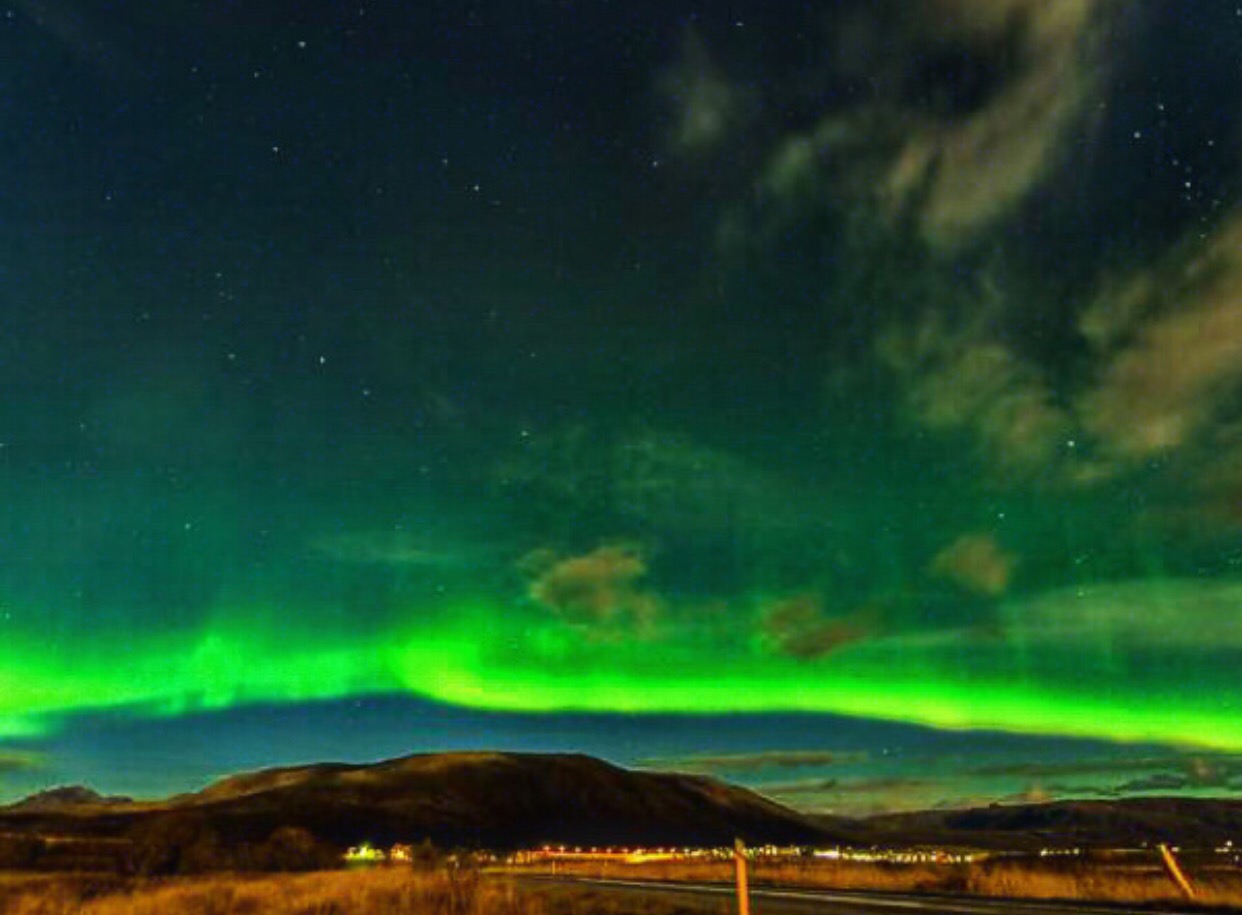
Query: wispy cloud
[(1173, 615), (798, 627), (14, 761), (602, 590), (737, 763), (977, 563), (813, 786), (969, 107), (967, 171), (1171, 773), (707, 106), (861, 796), (1171, 343), (1160, 378), (658, 477), (959, 379), (1086, 766)]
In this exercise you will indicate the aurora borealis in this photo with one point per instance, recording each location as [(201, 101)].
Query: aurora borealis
[(827, 378)]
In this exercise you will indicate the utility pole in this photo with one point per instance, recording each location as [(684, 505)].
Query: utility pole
[(1175, 871), (743, 885)]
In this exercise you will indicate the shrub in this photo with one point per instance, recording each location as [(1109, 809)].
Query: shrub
[(18, 852), (292, 848)]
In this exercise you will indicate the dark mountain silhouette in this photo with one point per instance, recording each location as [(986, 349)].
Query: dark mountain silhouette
[(1123, 823), (490, 800), (65, 796), (512, 800)]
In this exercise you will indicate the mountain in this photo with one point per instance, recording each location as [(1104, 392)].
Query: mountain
[(489, 800), (519, 800), (63, 797), (1123, 823)]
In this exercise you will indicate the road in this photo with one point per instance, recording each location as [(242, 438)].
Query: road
[(793, 901)]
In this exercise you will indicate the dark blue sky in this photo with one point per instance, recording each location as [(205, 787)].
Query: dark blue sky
[(547, 369)]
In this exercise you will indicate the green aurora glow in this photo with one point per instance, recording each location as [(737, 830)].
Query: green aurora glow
[(957, 680), (633, 361)]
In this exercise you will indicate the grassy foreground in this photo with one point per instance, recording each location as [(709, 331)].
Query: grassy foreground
[(1143, 883), (445, 891), (384, 891)]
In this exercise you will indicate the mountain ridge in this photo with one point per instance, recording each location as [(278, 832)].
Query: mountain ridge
[(512, 800), (63, 796), (1104, 823), (490, 800)]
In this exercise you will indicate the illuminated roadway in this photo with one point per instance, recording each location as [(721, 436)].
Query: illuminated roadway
[(798, 901)]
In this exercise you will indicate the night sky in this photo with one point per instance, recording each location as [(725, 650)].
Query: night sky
[(843, 398)]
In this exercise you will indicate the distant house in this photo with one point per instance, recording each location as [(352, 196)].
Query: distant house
[(366, 854)]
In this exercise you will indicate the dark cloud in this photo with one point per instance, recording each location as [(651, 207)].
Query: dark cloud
[(814, 786), (14, 761), (602, 590), (1071, 790), (1170, 772), (756, 762), (859, 796), (1161, 781), (977, 563), (799, 628), (1038, 769)]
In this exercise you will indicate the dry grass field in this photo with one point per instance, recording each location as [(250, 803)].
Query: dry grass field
[(1030, 878), (446, 891), (383, 891)]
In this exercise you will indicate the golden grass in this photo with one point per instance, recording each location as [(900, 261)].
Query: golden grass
[(1017, 878), (383, 891), (407, 891)]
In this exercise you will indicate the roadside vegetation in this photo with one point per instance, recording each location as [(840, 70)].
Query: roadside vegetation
[(1018, 878), (380, 891), (173, 870)]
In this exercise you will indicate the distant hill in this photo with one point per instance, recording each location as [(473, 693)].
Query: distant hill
[(1124, 823), (65, 796), (491, 800), (516, 800)]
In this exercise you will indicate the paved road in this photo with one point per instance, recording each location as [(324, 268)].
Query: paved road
[(772, 901)]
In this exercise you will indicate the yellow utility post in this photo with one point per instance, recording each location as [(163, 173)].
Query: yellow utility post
[(743, 886), (1175, 871)]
